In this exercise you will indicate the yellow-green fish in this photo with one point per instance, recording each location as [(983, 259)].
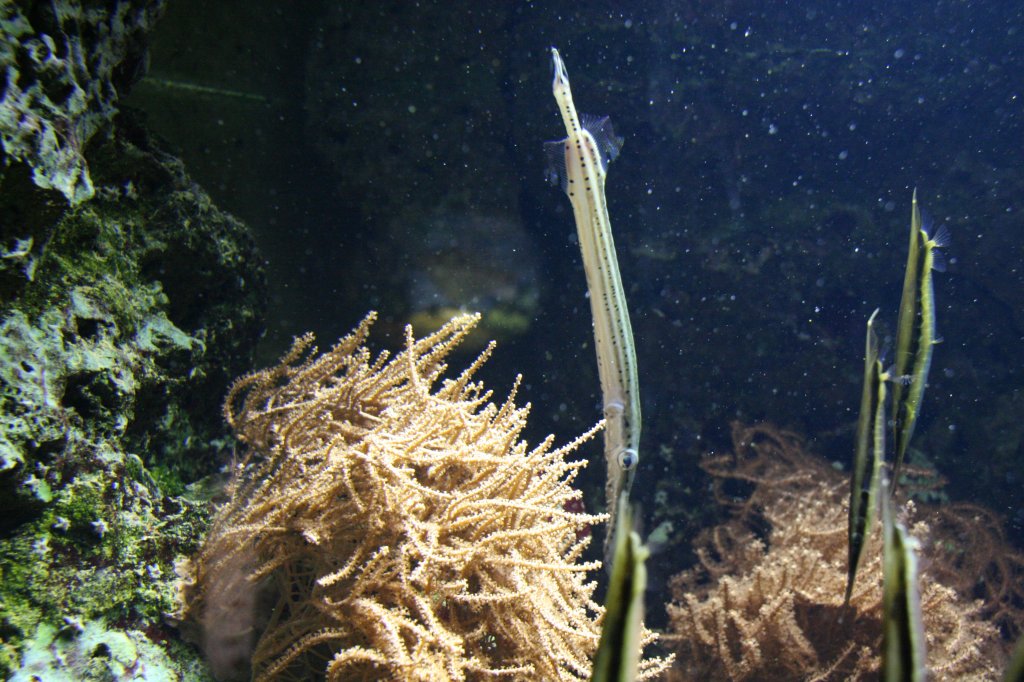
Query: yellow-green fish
[(1015, 670), (580, 161), (903, 644), (915, 332), (869, 454), (618, 652)]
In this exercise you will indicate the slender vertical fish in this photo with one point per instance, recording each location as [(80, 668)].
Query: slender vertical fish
[(903, 643), (618, 652), (580, 162), (1015, 669), (868, 457), (915, 332)]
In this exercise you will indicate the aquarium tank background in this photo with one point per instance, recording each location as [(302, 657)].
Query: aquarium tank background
[(187, 187)]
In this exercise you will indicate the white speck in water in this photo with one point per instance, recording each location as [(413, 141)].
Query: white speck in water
[(843, 155), (772, 129)]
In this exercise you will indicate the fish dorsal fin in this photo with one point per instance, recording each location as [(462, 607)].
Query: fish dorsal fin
[(938, 261), (600, 128), (554, 171)]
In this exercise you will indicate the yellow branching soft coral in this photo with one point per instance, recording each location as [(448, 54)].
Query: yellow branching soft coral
[(765, 601), (386, 523)]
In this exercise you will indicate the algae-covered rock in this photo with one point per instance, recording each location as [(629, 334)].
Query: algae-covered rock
[(63, 64), (91, 651), (127, 303), (115, 349)]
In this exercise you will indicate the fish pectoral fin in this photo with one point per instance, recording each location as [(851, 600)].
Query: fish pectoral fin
[(608, 143), (940, 237), (554, 171), (902, 380)]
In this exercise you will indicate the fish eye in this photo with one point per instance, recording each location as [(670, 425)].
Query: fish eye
[(628, 458)]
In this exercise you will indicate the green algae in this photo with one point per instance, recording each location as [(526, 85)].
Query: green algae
[(64, 64), (92, 651), (111, 375)]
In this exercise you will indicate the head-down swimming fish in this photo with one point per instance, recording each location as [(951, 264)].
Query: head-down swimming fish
[(580, 161)]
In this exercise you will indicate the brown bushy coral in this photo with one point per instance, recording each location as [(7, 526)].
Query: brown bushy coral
[(765, 601), (398, 529)]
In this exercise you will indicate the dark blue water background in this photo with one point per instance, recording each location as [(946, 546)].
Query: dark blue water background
[(392, 160)]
